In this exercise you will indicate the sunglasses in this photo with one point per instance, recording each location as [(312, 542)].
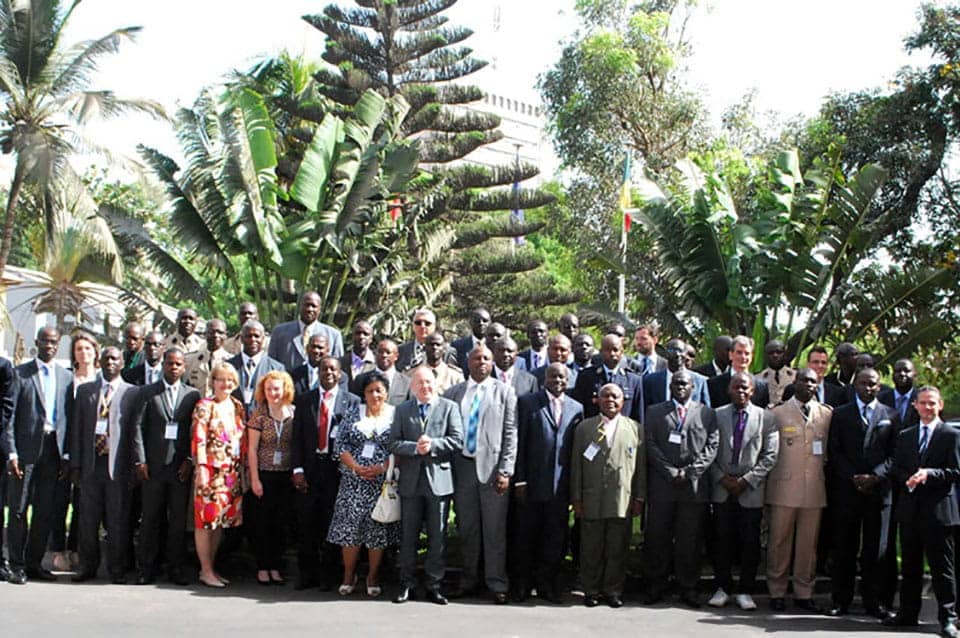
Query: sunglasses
[(422, 322)]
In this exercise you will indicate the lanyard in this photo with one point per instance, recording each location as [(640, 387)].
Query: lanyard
[(278, 426)]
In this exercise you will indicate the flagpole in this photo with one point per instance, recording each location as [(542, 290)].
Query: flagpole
[(625, 202)]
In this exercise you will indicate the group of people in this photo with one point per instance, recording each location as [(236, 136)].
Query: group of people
[(258, 430)]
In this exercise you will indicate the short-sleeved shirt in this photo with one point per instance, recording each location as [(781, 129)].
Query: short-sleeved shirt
[(268, 427)]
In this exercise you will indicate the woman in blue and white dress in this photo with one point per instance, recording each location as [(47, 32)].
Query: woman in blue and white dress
[(362, 448)]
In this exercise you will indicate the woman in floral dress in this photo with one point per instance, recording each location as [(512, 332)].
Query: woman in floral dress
[(219, 451)]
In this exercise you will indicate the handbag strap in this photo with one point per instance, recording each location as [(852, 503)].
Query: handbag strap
[(391, 463)]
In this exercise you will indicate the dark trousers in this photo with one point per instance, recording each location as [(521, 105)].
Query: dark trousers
[(314, 511), (737, 531), (415, 512), (673, 538), (543, 530), (36, 491), (265, 518), (603, 555), (103, 501), (858, 527), (928, 537), (164, 498), (66, 494)]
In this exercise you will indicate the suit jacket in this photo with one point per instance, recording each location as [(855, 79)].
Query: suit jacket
[(446, 376), (856, 447), (462, 348), (399, 390), (8, 394), (935, 501), (522, 381), (347, 377), (833, 395), (286, 343), (544, 446), (198, 366), (758, 453), (657, 364), (589, 382), (150, 420), (911, 417), (707, 369), (655, 388), (527, 358), (496, 432), (691, 457), (137, 375), (306, 416), (540, 374), (265, 365), (301, 381), (444, 427), (405, 357), (798, 478), (23, 435), (617, 474), (120, 427), (719, 389), (775, 388)]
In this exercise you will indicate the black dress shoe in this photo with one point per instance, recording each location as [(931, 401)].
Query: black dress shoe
[(17, 577), (177, 578), (807, 604), (519, 594), (435, 597), (837, 611), (614, 602), (118, 579), (146, 579), (4, 570), (302, 583), (778, 604), (41, 574), (651, 598), (690, 600), (500, 598), (407, 593), (899, 620), (83, 576), (590, 601), (876, 611), (551, 595)]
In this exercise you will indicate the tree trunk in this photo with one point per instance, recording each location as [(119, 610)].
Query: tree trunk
[(12, 200)]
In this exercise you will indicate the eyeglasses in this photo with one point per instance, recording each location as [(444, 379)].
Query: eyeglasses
[(422, 322)]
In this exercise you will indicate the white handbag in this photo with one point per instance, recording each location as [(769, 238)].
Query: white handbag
[(387, 509)]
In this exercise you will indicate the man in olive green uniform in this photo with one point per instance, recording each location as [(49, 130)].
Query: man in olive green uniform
[(607, 487)]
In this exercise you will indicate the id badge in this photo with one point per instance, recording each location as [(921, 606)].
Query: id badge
[(277, 457), (236, 448), (333, 431), (101, 427), (676, 437), (170, 433), (818, 447), (591, 451), (368, 450), (247, 397)]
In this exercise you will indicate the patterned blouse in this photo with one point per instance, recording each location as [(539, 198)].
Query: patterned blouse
[(270, 442)]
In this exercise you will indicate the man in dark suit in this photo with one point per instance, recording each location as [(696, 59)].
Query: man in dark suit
[(482, 471), (494, 333), (36, 445), (317, 420), (536, 355), (150, 368), (288, 341), (656, 385), (162, 456), (8, 393), (826, 393), (558, 351), (682, 441), (360, 359), (507, 370), (590, 380), (252, 363), (846, 356), (741, 356), (546, 421), (413, 353), (720, 362), (581, 351), (645, 343), (399, 383), (569, 326), (306, 378), (902, 395), (479, 320), (860, 447), (426, 433), (100, 459), (926, 469)]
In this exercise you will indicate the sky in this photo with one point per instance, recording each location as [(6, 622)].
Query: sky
[(791, 53)]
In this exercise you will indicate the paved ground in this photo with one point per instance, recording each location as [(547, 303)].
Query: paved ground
[(244, 608)]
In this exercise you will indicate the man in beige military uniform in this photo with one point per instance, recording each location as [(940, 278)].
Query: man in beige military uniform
[(199, 364), (778, 375), (445, 375), (185, 338), (246, 312), (796, 493)]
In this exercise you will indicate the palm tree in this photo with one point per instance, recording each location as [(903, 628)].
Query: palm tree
[(44, 84)]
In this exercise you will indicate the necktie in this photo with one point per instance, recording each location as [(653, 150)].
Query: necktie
[(171, 444), (323, 422), (417, 355), (49, 394), (473, 421), (776, 377), (248, 382), (646, 364), (535, 356), (902, 406), (866, 416), (101, 443), (314, 377), (924, 438), (681, 414), (738, 435), (305, 338), (557, 411), (503, 377), (805, 408), (820, 393), (423, 411)]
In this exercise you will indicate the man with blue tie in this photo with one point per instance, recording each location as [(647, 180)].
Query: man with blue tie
[(645, 343), (826, 393), (37, 450), (546, 421), (150, 368), (656, 385), (536, 355), (610, 370), (426, 433), (558, 351), (902, 395)]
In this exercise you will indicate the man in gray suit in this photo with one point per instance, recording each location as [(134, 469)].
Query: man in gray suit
[(425, 435), (681, 443), (482, 471), (386, 364), (288, 341), (251, 363), (749, 442), (37, 450), (507, 369), (645, 340)]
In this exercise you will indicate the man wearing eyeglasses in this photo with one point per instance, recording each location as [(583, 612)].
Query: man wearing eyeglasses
[(413, 353)]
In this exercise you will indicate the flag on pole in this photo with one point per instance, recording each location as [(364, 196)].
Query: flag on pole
[(625, 201), (517, 215), (395, 207)]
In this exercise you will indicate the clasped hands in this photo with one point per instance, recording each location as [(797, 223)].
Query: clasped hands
[(919, 478), (734, 484), (865, 482)]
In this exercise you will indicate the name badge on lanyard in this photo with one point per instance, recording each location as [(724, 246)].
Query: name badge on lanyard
[(591, 451), (101, 426), (170, 433), (368, 450), (278, 430)]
